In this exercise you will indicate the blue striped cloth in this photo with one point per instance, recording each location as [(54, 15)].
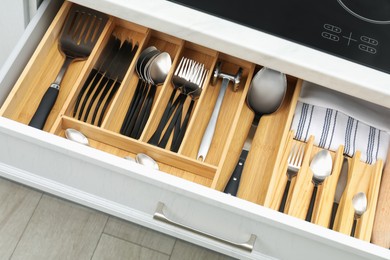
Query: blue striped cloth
[(332, 128)]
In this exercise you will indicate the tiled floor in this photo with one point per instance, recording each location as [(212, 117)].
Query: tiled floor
[(35, 225)]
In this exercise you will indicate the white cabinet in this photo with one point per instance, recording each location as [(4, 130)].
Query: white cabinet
[(193, 212)]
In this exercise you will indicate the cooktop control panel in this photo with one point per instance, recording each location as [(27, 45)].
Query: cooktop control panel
[(356, 30)]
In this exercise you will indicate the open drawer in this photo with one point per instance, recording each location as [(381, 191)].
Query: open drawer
[(184, 198)]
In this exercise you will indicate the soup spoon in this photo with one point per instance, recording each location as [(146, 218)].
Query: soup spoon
[(321, 166)]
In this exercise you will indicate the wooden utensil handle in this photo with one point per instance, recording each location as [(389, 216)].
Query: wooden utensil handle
[(44, 108)]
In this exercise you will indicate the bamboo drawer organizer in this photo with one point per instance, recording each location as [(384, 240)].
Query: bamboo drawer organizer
[(264, 176)]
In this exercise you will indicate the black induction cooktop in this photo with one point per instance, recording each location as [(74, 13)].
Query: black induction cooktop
[(356, 30)]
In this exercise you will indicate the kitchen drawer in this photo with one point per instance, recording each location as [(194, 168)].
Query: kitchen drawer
[(184, 199)]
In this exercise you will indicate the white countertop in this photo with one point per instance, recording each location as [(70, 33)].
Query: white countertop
[(252, 45)]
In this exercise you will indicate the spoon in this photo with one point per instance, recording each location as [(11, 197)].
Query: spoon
[(139, 94), (321, 166), (265, 95), (159, 68), (359, 203), (155, 73), (145, 160), (76, 136)]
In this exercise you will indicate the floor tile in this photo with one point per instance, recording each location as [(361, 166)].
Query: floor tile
[(60, 229), (139, 235), (17, 204), (114, 248), (187, 251)]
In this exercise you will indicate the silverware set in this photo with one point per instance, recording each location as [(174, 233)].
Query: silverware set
[(188, 79), (321, 166), (104, 80), (152, 68)]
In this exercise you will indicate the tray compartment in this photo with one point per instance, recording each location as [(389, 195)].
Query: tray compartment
[(199, 54), (42, 70), (162, 42), (117, 144), (123, 31), (230, 110), (365, 178), (267, 148)]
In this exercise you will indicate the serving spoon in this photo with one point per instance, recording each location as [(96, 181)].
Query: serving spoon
[(265, 96), (321, 166)]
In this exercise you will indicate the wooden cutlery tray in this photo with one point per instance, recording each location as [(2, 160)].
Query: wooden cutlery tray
[(264, 176)]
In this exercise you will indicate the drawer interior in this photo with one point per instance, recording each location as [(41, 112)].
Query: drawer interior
[(264, 175)]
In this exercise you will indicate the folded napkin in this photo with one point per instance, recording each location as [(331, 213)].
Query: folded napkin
[(336, 119)]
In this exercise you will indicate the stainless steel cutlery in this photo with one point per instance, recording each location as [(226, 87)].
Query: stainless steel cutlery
[(295, 159)]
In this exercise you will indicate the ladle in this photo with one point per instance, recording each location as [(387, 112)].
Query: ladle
[(359, 203), (265, 96), (76, 136), (321, 166)]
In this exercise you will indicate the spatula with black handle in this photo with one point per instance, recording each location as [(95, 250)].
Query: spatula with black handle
[(78, 37)]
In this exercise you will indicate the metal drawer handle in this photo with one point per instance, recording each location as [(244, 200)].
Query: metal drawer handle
[(159, 215)]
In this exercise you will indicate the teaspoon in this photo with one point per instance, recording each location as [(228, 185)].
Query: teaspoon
[(359, 203)]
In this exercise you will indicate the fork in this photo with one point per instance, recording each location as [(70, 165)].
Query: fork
[(294, 160), (191, 80), (185, 73)]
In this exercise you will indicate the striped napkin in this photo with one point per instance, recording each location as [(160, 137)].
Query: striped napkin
[(336, 119)]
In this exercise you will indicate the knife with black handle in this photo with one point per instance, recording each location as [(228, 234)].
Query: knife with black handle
[(234, 181), (342, 182)]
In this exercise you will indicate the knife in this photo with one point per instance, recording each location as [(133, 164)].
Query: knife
[(342, 182), (234, 181)]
